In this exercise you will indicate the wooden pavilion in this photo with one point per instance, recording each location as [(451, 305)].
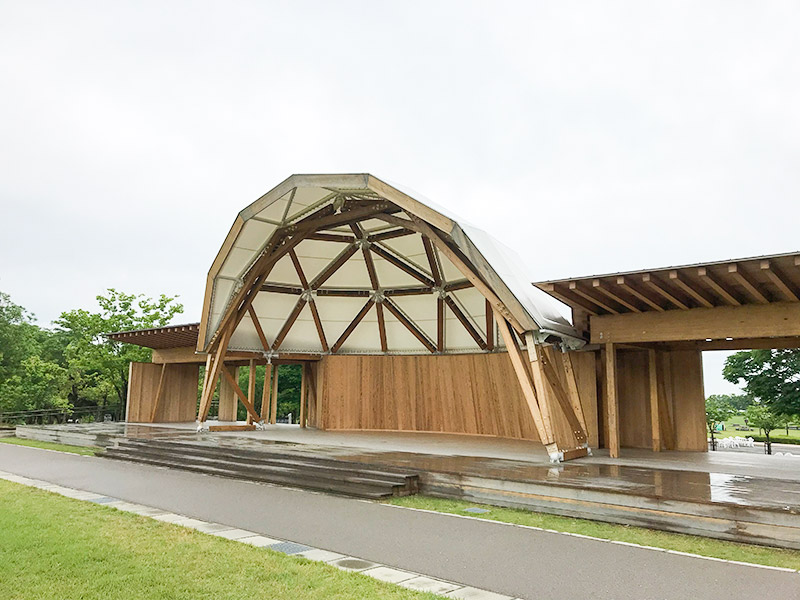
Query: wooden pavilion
[(405, 318)]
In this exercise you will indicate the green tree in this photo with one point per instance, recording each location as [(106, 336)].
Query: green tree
[(765, 418), (771, 376), (19, 338), (99, 366), (40, 384), (718, 410), (739, 402)]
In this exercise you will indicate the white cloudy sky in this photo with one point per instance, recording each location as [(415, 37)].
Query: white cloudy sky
[(591, 137)]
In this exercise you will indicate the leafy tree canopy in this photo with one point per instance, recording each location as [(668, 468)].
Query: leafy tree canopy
[(771, 376), (102, 363), (718, 410)]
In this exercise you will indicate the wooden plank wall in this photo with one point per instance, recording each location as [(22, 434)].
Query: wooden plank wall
[(179, 396), (464, 393), (681, 399)]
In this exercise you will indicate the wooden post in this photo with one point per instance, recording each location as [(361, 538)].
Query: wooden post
[(228, 403), (158, 393), (273, 415), (303, 394), (251, 388), (265, 392), (612, 401), (655, 421), (238, 391)]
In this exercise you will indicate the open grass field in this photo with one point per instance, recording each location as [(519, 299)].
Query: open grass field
[(762, 555), (731, 431), (49, 446), (56, 547)]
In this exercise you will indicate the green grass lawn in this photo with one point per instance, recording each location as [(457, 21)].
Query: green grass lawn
[(49, 446), (762, 555), (56, 547), (730, 430)]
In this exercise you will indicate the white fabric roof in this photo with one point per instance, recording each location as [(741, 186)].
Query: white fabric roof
[(300, 195)]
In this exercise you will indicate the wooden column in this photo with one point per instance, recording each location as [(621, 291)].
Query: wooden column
[(303, 394), (251, 388), (273, 414), (655, 421), (268, 369), (612, 401), (228, 402)]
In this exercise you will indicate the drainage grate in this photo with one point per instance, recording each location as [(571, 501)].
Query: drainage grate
[(289, 547), (475, 510)]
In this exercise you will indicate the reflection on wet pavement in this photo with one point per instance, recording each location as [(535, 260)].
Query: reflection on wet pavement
[(638, 480)]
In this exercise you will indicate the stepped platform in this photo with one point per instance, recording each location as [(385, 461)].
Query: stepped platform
[(727, 495)]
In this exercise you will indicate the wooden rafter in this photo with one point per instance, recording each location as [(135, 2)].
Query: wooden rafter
[(391, 234), (410, 291), (350, 328), (613, 295), (651, 282), (433, 261), (465, 322), (489, 326), (606, 306), (633, 290), (381, 326), (298, 308), (398, 314), (311, 302), (334, 266), (402, 265), (750, 287), (332, 237), (717, 287), (678, 280), (440, 332), (779, 281), (460, 284), (567, 297), (259, 330)]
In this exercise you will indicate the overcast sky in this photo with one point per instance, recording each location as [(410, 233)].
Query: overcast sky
[(591, 137)]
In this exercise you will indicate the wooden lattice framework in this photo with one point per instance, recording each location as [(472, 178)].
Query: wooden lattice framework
[(360, 223)]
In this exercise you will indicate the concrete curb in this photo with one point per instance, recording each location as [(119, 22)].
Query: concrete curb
[(407, 579)]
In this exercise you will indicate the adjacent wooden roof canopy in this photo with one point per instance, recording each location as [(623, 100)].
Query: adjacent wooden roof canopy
[(739, 282), (172, 336)]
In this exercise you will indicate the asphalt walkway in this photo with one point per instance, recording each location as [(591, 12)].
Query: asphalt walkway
[(509, 560)]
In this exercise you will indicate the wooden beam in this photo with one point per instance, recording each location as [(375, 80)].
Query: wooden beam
[(381, 326), (265, 392), (575, 289), (651, 282), (717, 287), (780, 281), (571, 379), (353, 324), (273, 409), (159, 393), (569, 298), (430, 252), (489, 326), (633, 290), (391, 234), (440, 321), (334, 266), (454, 286), (655, 411), (318, 324), (750, 287), (546, 358), (259, 331), (298, 308), (526, 383), (539, 383), (442, 246), (408, 291), (612, 401), (251, 411), (331, 237), (464, 320), (603, 289), (398, 314), (248, 427), (778, 320), (676, 278), (402, 265)]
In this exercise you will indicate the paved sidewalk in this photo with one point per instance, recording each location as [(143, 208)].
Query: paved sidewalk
[(509, 560)]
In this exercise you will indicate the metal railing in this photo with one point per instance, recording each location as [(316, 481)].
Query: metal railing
[(49, 416)]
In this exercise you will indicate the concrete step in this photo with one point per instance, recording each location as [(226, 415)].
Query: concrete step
[(318, 473), (312, 463), (255, 469), (341, 488)]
